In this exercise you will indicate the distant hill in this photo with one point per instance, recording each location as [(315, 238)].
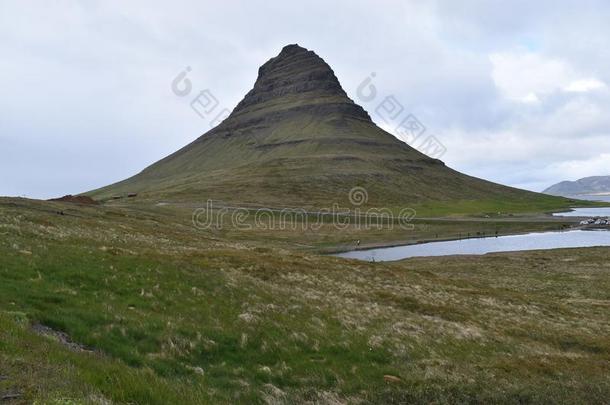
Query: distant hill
[(588, 185), (296, 139)]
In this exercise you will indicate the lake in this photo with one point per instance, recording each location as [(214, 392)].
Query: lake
[(605, 198), (588, 212), (585, 212), (479, 246)]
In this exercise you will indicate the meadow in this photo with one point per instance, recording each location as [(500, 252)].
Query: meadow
[(103, 304)]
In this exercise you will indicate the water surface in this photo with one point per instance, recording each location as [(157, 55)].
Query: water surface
[(593, 197), (531, 241), (585, 212)]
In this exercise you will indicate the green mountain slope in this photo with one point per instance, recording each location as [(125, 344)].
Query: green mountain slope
[(296, 139)]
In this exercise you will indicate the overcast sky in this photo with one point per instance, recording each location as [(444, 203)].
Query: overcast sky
[(518, 92)]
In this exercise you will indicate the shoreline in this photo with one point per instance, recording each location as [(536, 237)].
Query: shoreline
[(372, 246), (602, 194)]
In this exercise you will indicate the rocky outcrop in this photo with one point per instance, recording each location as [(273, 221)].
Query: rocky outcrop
[(297, 78), (76, 199)]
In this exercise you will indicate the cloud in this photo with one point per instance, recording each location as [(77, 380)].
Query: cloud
[(515, 94), (582, 168), (523, 74), (585, 85)]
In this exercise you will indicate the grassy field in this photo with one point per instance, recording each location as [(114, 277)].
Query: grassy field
[(157, 311), (319, 233)]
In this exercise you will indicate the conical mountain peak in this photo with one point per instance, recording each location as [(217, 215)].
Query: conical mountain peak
[(297, 77), (294, 59), (293, 50), (297, 140)]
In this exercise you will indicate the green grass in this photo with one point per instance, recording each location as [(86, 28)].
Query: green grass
[(319, 234), (43, 371), (501, 207), (161, 303)]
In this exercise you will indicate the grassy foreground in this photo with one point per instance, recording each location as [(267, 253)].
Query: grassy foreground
[(160, 312)]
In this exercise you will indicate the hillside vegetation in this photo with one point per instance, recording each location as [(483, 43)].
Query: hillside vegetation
[(156, 311), (297, 140)]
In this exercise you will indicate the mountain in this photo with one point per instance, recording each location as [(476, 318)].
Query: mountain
[(297, 139), (587, 185)]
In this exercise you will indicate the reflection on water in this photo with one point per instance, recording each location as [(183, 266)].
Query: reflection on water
[(605, 198), (532, 241), (588, 212), (585, 212)]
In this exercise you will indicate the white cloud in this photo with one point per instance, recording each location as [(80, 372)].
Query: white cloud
[(530, 98), (597, 165), (585, 85), (517, 95), (522, 75)]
